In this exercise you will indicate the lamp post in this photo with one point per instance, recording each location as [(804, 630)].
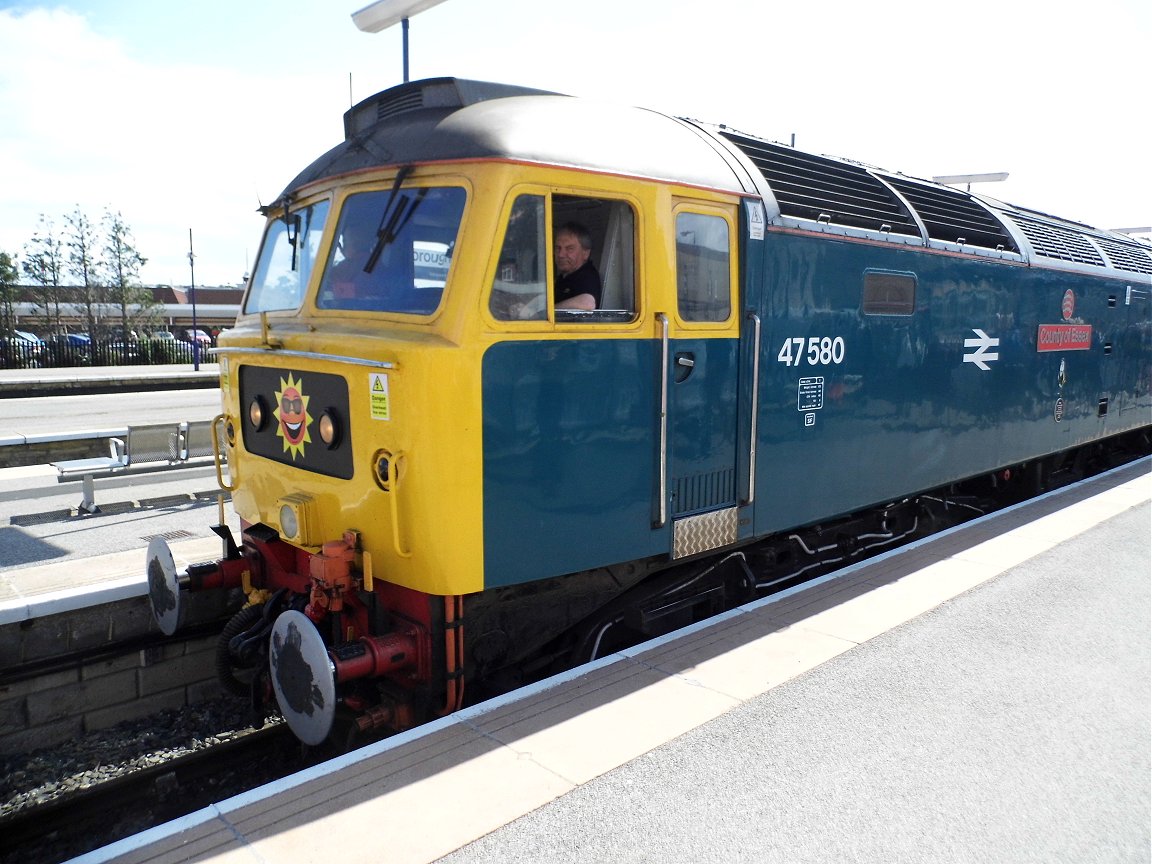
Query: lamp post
[(192, 298), (384, 13)]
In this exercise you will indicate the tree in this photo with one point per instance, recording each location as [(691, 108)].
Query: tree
[(122, 263), (84, 266), (43, 264), (8, 288)]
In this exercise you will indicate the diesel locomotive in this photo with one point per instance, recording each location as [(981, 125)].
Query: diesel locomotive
[(448, 484)]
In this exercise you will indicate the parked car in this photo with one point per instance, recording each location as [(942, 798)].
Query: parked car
[(31, 337), (124, 351), (21, 350), (197, 336)]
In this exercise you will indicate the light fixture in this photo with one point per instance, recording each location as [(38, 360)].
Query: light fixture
[(329, 426), (257, 413), (383, 14)]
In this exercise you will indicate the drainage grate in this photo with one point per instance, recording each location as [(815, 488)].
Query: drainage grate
[(40, 518), (169, 535)]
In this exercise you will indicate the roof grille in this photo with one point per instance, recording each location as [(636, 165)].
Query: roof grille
[(446, 94), (953, 216), (1057, 241), (826, 190), (398, 104), (1124, 255)]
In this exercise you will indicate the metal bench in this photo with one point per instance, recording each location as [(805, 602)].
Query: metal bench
[(144, 448), (195, 443)]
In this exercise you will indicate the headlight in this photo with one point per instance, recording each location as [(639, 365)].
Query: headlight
[(289, 524), (297, 519)]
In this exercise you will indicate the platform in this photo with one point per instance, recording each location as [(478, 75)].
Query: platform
[(70, 577), (982, 695)]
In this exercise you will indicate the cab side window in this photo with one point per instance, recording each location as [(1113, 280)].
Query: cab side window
[(287, 258), (524, 290), (519, 290), (703, 267)]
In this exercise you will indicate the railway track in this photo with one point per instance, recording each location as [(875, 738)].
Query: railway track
[(83, 819)]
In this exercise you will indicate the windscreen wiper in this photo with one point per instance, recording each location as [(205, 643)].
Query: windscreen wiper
[(386, 230)]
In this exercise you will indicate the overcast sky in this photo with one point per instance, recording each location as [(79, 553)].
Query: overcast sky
[(189, 115)]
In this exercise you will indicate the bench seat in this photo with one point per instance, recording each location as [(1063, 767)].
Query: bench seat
[(144, 448)]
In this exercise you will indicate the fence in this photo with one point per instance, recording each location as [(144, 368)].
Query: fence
[(65, 351)]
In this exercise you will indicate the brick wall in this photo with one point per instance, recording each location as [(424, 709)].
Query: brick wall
[(170, 673)]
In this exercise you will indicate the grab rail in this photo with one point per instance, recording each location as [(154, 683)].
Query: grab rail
[(217, 457), (394, 503), (755, 319), (662, 516)]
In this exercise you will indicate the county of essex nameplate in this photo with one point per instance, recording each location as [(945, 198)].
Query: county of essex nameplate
[(1064, 337)]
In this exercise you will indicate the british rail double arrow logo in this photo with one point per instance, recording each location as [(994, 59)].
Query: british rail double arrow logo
[(982, 343)]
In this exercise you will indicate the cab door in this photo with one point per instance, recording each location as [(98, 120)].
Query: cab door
[(701, 356)]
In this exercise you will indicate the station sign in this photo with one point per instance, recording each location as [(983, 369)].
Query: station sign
[(1064, 337)]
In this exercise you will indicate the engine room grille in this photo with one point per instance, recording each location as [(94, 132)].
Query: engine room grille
[(1129, 256), (1057, 241), (823, 189), (953, 216)]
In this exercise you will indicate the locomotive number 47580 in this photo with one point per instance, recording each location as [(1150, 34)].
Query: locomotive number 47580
[(822, 351)]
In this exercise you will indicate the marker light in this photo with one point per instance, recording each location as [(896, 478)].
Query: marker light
[(257, 413), (330, 429)]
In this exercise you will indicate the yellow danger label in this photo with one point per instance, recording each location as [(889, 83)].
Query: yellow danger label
[(379, 406)]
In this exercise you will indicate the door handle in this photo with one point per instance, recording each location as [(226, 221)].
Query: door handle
[(685, 363)]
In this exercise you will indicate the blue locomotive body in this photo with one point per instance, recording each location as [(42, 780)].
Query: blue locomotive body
[(883, 371)]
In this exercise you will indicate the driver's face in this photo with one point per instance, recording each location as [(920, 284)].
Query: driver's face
[(570, 255)]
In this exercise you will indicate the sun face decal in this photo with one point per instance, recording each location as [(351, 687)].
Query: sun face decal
[(292, 416)]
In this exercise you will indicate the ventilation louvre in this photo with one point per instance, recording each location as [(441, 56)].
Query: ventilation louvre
[(1129, 256), (444, 93), (398, 104), (952, 216), (826, 190), (1058, 241)]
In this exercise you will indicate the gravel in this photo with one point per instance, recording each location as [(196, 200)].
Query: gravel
[(28, 779)]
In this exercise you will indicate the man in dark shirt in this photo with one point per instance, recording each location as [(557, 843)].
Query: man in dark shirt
[(577, 281)]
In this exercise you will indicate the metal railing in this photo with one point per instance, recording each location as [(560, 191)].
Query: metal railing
[(71, 351)]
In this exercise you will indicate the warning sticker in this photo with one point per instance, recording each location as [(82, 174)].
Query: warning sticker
[(756, 219), (379, 406)]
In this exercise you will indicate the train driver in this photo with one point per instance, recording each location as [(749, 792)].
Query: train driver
[(577, 280), (347, 279)]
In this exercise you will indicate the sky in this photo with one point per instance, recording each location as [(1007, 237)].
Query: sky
[(185, 117)]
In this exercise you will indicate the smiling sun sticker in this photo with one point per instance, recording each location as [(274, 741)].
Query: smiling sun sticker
[(292, 416)]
